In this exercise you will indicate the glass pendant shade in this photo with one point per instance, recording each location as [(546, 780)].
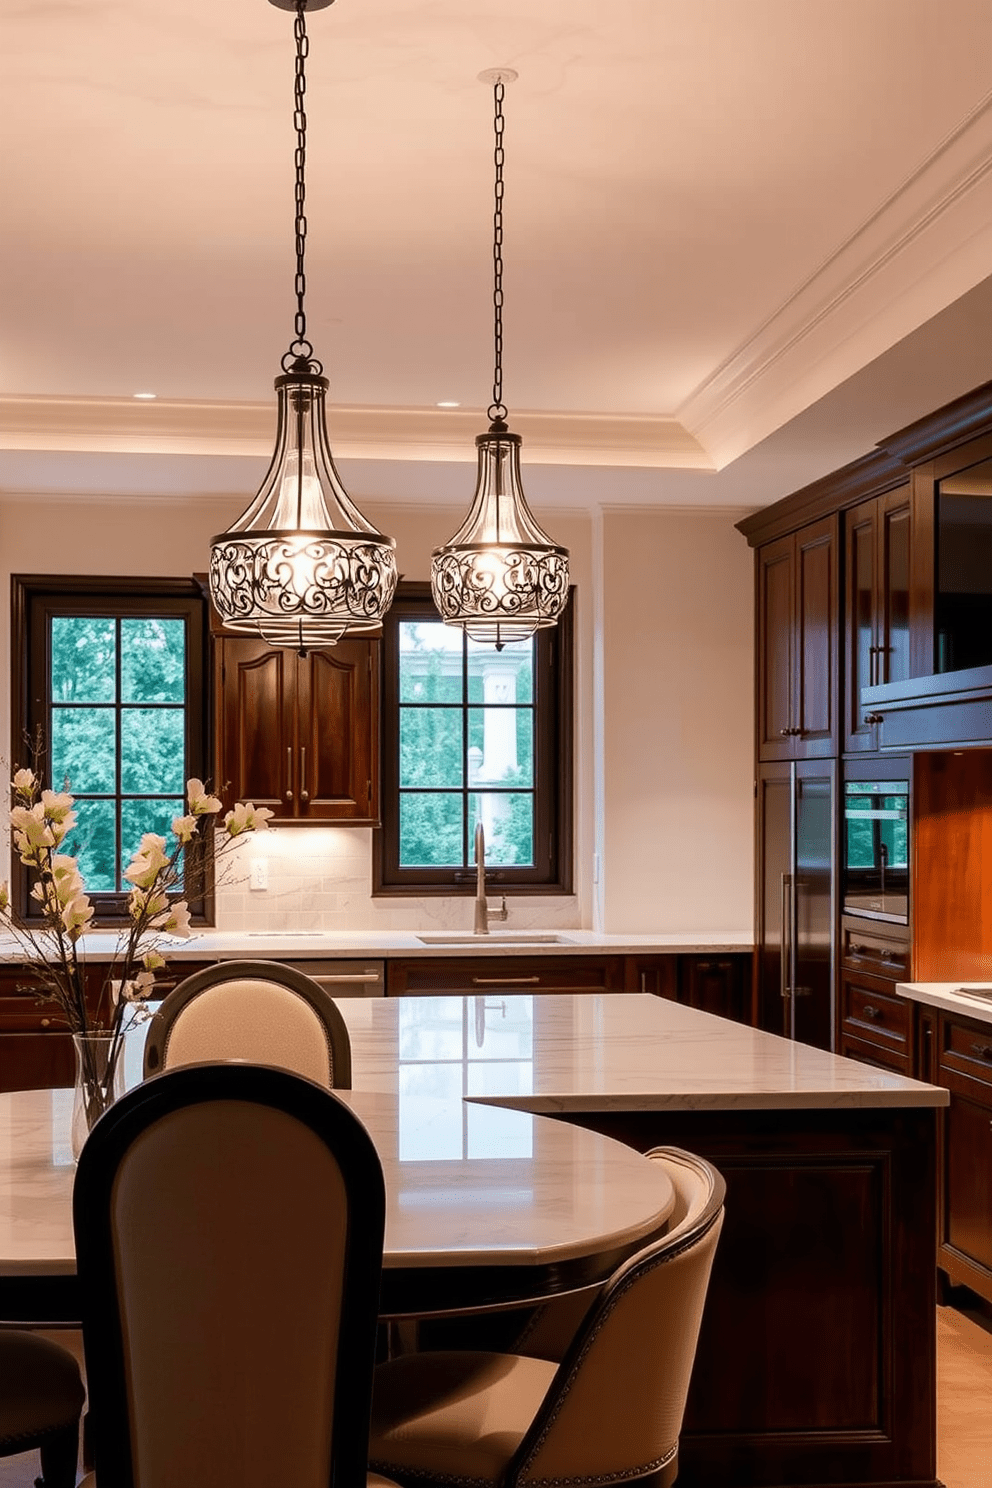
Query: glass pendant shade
[(500, 577), (302, 565)]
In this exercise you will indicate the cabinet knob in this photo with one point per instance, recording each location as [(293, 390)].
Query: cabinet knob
[(46, 1022), (984, 1051), (784, 733), (870, 1011), (702, 966)]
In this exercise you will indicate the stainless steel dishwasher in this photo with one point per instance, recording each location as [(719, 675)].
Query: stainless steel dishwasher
[(345, 978)]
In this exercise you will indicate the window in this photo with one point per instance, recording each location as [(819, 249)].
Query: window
[(108, 676), (471, 733)]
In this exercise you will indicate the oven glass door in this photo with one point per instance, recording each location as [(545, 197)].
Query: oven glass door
[(876, 849)]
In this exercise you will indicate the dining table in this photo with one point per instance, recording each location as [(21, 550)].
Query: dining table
[(485, 1208)]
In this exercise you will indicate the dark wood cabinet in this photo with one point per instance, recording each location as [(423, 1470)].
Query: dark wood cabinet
[(298, 734), (877, 570), (797, 643), (460, 975), (36, 1049), (717, 984), (965, 1220)]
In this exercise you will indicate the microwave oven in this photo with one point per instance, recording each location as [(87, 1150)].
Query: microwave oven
[(875, 880)]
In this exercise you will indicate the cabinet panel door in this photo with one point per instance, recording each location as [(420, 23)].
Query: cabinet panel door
[(895, 565), (968, 1177), (255, 718), (860, 628), (338, 733), (776, 573), (817, 671)]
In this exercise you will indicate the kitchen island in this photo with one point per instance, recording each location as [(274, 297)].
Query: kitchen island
[(816, 1363)]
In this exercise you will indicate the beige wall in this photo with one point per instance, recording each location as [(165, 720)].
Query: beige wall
[(663, 683), (677, 721)]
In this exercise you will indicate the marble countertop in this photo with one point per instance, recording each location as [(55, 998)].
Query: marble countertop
[(296, 945), (971, 998), (614, 1052)]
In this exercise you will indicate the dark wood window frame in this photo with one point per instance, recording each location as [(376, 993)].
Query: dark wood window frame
[(35, 600), (553, 773)]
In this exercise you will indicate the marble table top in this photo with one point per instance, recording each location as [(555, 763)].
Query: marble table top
[(601, 1052), (467, 1187)]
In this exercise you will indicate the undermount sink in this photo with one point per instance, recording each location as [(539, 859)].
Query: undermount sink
[(495, 937)]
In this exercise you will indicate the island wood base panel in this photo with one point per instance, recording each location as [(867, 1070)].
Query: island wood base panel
[(817, 1358)]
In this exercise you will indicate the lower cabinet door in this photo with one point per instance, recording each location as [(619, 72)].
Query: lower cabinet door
[(968, 1178), (36, 1061)]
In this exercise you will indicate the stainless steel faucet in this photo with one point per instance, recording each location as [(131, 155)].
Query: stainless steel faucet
[(483, 914)]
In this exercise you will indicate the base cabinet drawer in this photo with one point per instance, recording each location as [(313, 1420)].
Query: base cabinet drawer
[(460, 976), (871, 1010), (880, 1056)]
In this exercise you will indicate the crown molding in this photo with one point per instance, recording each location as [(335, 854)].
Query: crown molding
[(927, 244), (167, 426)]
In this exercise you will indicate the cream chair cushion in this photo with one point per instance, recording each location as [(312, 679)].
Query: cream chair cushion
[(259, 1021), (455, 1415)]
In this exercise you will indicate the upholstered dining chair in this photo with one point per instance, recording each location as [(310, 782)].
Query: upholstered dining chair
[(229, 1224), (41, 1398), (610, 1411), (550, 1328), (260, 1011)]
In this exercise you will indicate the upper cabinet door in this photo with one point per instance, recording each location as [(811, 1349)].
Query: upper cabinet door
[(776, 609), (798, 671), (299, 734), (339, 733), (255, 715), (877, 610)]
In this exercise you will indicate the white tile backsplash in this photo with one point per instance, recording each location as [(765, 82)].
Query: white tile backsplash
[(320, 878)]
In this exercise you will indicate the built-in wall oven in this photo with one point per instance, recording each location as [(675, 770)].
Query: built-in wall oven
[(875, 857)]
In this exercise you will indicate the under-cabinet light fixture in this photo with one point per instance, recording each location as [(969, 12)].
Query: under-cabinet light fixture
[(302, 565)]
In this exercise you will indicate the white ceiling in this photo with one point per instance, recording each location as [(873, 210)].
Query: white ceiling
[(725, 222)]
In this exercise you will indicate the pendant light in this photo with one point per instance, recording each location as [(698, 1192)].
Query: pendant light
[(302, 565), (500, 577)]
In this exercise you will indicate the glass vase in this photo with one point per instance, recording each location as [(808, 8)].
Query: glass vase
[(99, 1081)]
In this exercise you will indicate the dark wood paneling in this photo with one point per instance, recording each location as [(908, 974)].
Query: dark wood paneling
[(952, 866), (255, 744), (816, 1360), (870, 1009)]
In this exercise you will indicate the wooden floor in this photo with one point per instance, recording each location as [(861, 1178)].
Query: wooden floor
[(964, 1405)]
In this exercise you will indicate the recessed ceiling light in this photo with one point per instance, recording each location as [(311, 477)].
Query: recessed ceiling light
[(144, 395), (448, 403)]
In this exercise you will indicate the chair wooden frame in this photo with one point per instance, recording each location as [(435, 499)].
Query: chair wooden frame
[(98, 1261), (287, 977)]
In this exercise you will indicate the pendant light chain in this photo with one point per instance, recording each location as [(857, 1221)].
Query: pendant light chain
[(300, 348), (497, 409)]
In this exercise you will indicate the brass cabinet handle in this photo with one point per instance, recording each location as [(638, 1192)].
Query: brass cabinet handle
[(304, 793), (505, 981), (289, 772), (46, 1022)]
